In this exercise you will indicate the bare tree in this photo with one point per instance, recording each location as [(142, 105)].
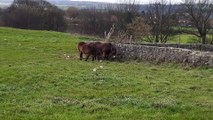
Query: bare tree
[(72, 12), (200, 12), (160, 16), (89, 21), (109, 34), (138, 29), (126, 11), (102, 22), (128, 6)]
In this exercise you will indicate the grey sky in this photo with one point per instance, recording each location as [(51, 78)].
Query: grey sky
[(140, 1)]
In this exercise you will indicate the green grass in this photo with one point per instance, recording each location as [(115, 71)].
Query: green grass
[(187, 38), (183, 39), (39, 81)]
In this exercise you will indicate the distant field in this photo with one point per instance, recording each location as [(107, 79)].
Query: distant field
[(181, 39), (186, 38), (42, 78)]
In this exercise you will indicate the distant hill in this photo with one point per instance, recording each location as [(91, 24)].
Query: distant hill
[(64, 4), (5, 3), (79, 4), (84, 4)]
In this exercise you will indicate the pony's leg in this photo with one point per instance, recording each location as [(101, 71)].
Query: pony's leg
[(81, 55), (98, 58), (87, 57), (93, 58), (101, 57), (107, 57), (104, 56)]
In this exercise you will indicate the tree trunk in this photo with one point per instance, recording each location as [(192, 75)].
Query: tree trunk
[(156, 37), (203, 39)]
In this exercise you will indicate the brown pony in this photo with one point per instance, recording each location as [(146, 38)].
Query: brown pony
[(107, 50), (88, 49)]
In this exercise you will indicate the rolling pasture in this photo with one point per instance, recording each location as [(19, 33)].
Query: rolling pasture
[(41, 77)]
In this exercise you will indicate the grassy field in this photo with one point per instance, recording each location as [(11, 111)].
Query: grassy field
[(42, 78), (184, 38), (187, 39)]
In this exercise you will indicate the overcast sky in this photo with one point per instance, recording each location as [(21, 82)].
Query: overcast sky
[(140, 1)]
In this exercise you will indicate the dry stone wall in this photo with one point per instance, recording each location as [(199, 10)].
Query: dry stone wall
[(164, 54), (200, 47)]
